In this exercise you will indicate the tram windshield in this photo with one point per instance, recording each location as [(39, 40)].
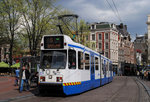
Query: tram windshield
[(54, 60)]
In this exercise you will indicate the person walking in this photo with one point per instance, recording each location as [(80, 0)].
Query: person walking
[(17, 76), (138, 74), (25, 78)]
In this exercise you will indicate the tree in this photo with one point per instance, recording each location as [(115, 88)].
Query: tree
[(3, 37), (37, 15), (69, 27), (84, 32), (9, 10)]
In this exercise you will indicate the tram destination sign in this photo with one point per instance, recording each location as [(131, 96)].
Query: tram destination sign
[(53, 42)]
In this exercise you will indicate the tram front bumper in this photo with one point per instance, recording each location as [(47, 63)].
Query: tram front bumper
[(51, 87)]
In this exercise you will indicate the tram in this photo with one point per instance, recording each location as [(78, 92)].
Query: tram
[(71, 68)]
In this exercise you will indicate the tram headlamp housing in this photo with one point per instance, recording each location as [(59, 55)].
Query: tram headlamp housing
[(59, 79)]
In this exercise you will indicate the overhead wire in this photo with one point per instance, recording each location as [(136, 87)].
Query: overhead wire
[(65, 23), (115, 12)]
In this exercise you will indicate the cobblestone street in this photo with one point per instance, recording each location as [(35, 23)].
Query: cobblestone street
[(121, 89)]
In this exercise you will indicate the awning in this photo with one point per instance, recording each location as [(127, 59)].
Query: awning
[(17, 65), (4, 65)]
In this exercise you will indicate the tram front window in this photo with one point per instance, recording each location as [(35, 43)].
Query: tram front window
[(54, 60)]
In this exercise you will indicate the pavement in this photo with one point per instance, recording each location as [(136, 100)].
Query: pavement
[(8, 91), (121, 89)]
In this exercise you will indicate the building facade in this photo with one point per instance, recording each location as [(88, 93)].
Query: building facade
[(126, 52), (148, 28), (140, 45), (104, 39), (4, 52)]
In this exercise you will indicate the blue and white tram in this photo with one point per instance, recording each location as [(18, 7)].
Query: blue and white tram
[(70, 67)]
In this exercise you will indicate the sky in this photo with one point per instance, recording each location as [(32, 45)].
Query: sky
[(133, 13)]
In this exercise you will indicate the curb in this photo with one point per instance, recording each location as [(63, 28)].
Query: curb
[(145, 86)]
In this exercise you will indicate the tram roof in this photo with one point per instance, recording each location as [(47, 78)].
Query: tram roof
[(70, 41)]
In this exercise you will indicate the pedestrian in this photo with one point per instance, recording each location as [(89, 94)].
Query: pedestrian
[(17, 71), (145, 75), (25, 79), (142, 74), (138, 74)]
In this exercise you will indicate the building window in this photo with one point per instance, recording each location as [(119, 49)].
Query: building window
[(106, 54), (93, 46), (87, 38), (92, 26), (100, 45), (100, 36), (93, 37), (106, 35), (106, 45)]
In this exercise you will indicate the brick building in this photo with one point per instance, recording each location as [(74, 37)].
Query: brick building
[(104, 39), (126, 54)]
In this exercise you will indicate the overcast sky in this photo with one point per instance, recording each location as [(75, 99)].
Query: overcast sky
[(133, 13)]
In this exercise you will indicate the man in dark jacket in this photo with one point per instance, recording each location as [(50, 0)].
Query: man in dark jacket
[(25, 78)]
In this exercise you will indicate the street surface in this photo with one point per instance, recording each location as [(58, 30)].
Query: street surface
[(122, 89)]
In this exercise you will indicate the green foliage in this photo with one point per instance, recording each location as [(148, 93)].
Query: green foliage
[(38, 16), (9, 14), (24, 22), (84, 32)]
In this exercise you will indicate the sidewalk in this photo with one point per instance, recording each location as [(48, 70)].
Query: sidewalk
[(8, 90)]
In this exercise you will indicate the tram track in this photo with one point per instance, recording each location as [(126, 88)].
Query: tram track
[(139, 93), (143, 90), (110, 99)]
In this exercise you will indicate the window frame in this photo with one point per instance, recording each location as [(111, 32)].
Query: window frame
[(96, 64), (100, 36), (106, 37), (74, 60), (93, 37), (100, 47), (88, 61), (106, 45), (81, 61)]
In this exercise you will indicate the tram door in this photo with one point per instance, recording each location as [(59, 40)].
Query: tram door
[(92, 70)]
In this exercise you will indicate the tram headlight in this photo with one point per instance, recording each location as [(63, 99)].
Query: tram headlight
[(59, 79)]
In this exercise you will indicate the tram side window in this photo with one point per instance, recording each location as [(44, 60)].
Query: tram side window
[(106, 66), (110, 67), (103, 67), (87, 60), (80, 60), (100, 63), (72, 59), (96, 63)]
